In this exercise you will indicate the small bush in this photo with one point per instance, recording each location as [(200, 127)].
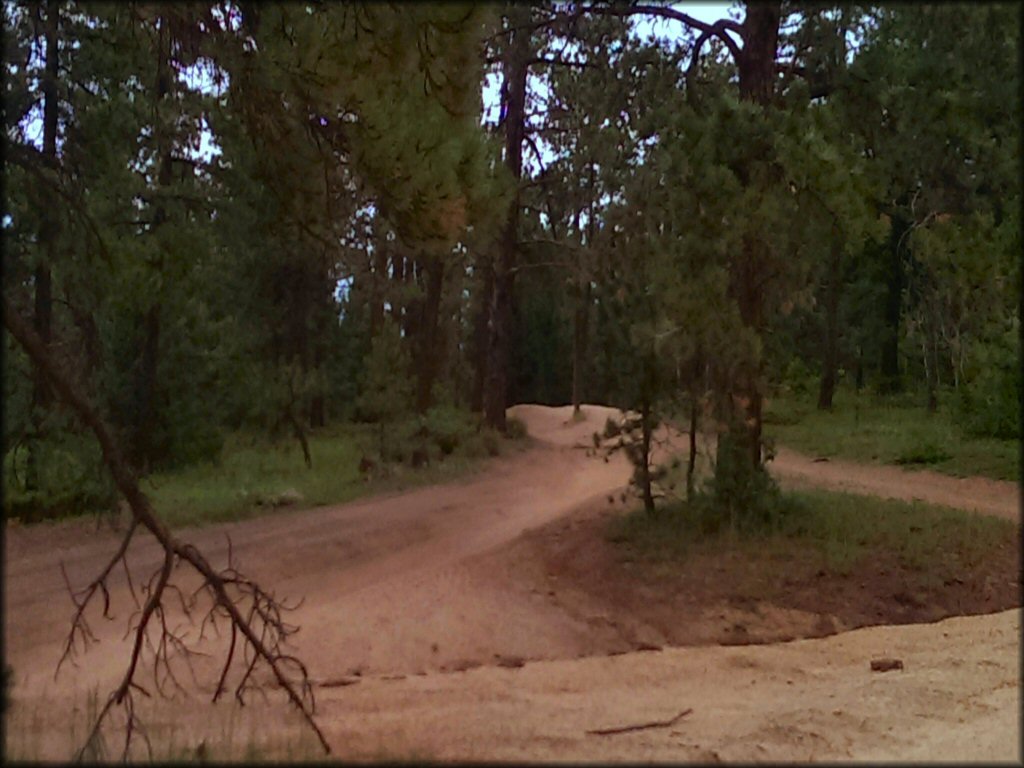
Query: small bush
[(612, 428), (447, 428), (798, 378), (990, 402), (71, 479), (923, 453), (515, 428)]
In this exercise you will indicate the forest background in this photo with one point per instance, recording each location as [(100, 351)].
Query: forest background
[(800, 207)]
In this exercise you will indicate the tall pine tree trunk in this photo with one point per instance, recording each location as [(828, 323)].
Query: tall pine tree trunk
[(43, 319), (147, 382), (756, 85), (500, 325)]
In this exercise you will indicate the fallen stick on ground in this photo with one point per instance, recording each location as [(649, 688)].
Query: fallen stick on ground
[(641, 726)]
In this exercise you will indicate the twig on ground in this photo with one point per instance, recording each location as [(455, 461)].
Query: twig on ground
[(641, 726)]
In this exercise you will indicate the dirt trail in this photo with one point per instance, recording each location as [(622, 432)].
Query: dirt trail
[(413, 584), (978, 494)]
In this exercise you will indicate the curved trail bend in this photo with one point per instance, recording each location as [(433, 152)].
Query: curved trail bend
[(412, 585)]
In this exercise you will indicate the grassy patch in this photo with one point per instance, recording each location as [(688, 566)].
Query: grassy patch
[(889, 430), (254, 476), (844, 530)]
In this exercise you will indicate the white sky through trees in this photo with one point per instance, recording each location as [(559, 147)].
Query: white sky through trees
[(200, 77)]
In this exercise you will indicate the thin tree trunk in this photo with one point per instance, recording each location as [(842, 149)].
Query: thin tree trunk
[(481, 326), (691, 463), (380, 280), (931, 351), (413, 310), (43, 319), (645, 459), (500, 325), (430, 342), (300, 435), (582, 318), (890, 362), (830, 359), (146, 387), (579, 342)]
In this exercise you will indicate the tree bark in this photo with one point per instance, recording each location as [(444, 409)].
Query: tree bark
[(581, 322), (500, 325), (893, 311), (430, 343), (691, 463), (931, 355), (380, 280), (481, 329), (147, 382), (757, 62), (645, 459), (43, 319), (582, 315), (756, 85), (830, 358)]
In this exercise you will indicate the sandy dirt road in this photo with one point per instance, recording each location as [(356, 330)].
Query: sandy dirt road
[(400, 590)]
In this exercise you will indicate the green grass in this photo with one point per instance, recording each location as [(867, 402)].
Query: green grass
[(253, 472), (843, 528), (889, 430)]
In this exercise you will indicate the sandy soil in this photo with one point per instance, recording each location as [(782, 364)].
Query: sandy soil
[(413, 595)]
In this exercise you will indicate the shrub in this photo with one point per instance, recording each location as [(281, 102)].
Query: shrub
[(71, 479), (925, 452), (447, 427), (990, 402), (745, 498), (798, 378), (515, 428)]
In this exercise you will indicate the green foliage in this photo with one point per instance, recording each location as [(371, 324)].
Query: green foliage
[(740, 496), (675, 242), (386, 391), (883, 428), (843, 528), (990, 402), (924, 453), (447, 427), (71, 479), (255, 476)]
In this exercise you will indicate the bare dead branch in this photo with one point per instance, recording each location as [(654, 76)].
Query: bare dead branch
[(719, 29), (254, 613)]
